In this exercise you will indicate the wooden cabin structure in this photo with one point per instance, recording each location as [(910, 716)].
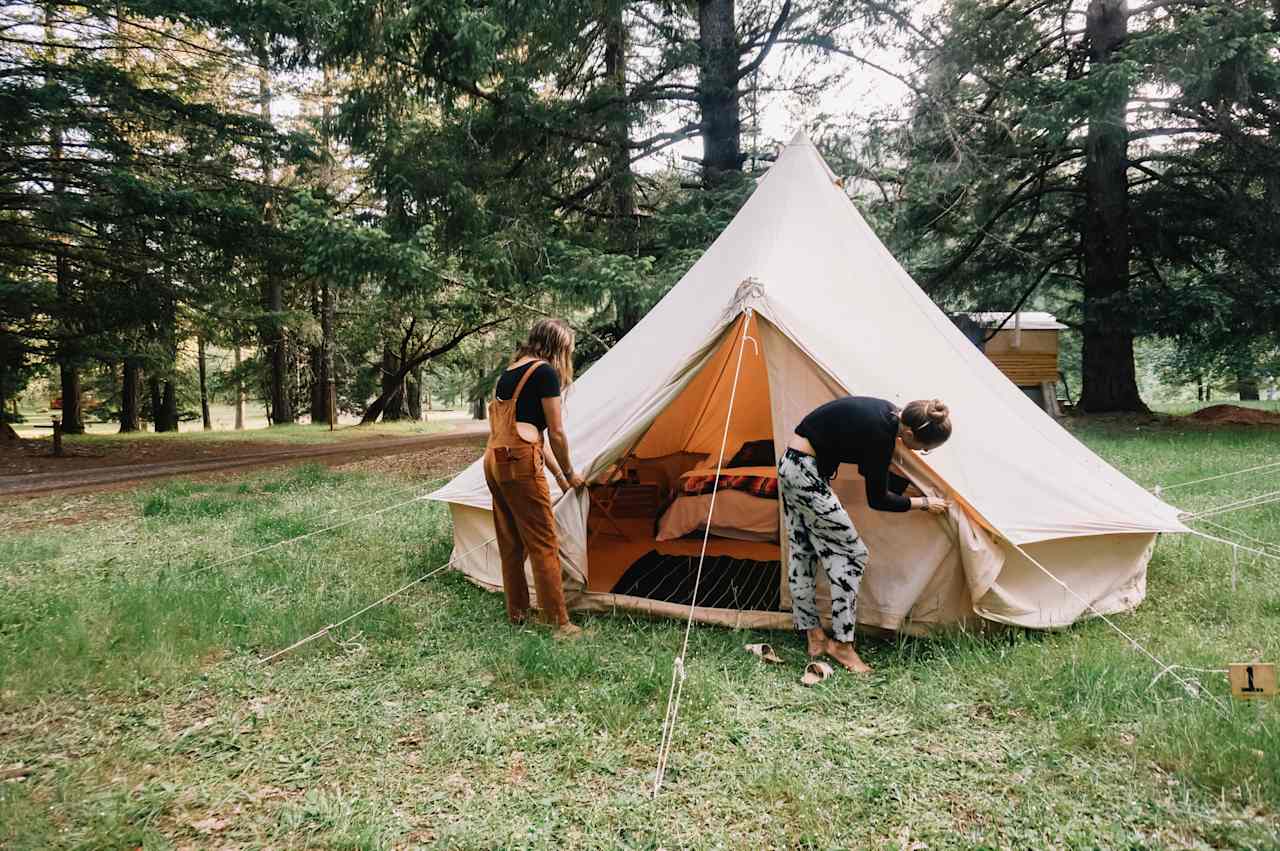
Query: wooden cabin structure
[(1025, 348)]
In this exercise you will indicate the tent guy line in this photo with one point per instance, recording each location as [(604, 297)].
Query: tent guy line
[(1258, 552), (303, 536), (192, 544), (1193, 689), (1238, 505), (326, 630), (677, 666), (129, 527), (1265, 544), (1159, 489)]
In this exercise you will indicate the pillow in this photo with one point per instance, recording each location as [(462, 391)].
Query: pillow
[(754, 453)]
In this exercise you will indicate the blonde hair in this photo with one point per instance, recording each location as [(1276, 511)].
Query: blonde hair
[(929, 420), (551, 340)]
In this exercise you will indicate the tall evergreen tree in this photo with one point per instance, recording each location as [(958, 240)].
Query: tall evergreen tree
[(1050, 140)]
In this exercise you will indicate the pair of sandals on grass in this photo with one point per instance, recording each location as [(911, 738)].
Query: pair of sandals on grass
[(815, 671)]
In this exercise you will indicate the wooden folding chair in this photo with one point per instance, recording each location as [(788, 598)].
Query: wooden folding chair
[(602, 497)]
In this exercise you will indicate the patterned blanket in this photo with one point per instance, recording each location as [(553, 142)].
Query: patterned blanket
[(765, 487)]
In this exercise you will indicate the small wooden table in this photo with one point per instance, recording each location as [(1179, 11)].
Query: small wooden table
[(623, 499)]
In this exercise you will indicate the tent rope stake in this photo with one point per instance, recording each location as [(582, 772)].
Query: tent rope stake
[(678, 670)]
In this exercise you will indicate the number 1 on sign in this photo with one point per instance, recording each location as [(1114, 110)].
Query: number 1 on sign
[(1252, 680)]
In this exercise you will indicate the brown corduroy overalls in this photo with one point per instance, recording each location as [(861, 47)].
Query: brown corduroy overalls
[(522, 518)]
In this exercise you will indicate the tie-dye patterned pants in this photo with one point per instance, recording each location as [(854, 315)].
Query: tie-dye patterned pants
[(819, 529)]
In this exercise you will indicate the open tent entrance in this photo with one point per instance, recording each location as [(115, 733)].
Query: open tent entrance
[(645, 524)]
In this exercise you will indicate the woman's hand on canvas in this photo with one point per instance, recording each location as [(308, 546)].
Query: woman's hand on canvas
[(934, 505)]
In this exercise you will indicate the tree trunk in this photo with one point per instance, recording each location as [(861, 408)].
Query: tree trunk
[(277, 345), (319, 386), (275, 340), (205, 419), (1107, 370), (413, 401), (239, 392), (392, 396), (153, 390), (67, 356), (130, 396), (131, 369), (329, 309), (6, 431), (621, 190), (317, 361), (1247, 387), (393, 381), (478, 409), (72, 417), (168, 420), (167, 414), (718, 95), (622, 182)]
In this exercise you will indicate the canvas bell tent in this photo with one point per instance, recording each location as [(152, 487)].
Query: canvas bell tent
[(795, 304)]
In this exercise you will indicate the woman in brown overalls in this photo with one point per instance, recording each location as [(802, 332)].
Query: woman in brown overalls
[(527, 402)]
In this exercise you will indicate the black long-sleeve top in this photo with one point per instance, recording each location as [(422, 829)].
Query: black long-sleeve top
[(858, 430)]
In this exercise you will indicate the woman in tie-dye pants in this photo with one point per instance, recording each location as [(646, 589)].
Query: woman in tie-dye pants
[(857, 430), (819, 530)]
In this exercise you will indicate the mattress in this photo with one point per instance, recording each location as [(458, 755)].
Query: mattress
[(737, 515)]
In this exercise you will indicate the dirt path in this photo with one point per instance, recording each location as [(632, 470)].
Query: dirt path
[(234, 458)]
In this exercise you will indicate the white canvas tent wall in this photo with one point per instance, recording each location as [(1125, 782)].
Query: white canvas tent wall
[(833, 313)]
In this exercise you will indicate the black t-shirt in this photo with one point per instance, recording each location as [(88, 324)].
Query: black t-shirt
[(543, 384), (857, 430)]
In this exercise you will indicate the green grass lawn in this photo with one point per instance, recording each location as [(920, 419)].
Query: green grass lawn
[(130, 690)]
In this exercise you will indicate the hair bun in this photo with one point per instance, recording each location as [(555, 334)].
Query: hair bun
[(937, 410)]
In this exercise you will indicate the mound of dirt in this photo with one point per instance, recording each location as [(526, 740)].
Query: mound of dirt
[(1235, 415)]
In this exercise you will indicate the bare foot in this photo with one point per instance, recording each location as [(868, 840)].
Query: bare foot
[(817, 638), (847, 657), (567, 632)]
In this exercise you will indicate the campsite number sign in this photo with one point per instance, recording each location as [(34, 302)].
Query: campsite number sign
[(1252, 680)]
